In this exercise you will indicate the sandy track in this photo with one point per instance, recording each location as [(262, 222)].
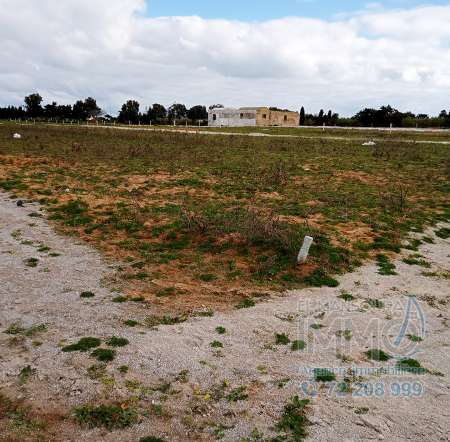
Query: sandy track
[(49, 294)]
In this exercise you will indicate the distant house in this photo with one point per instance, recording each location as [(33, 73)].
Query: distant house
[(252, 116)]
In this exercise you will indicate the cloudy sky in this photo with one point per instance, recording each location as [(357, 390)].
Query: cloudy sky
[(318, 53)]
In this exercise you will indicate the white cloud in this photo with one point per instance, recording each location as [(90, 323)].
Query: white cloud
[(109, 49)]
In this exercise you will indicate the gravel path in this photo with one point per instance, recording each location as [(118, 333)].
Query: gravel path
[(387, 405)]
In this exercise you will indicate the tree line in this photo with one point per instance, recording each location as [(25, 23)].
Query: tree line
[(131, 113)]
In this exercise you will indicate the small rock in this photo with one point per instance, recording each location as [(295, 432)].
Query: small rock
[(20, 203)]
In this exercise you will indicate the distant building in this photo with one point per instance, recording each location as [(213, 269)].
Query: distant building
[(252, 116)]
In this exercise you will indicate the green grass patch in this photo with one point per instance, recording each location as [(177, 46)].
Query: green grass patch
[(116, 341), (246, 303), (104, 354), (282, 339), (84, 344), (385, 266), (298, 345), (319, 278), (378, 355), (87, 295), (323, 375)]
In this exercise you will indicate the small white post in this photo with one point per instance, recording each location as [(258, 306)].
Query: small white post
[(304, 251), (323, 127)]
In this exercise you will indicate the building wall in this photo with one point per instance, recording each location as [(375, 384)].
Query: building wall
[(267, 117), (231, 117), (252, 116)]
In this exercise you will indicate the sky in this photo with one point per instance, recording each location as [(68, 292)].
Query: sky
[(342, 56), (258, 10)]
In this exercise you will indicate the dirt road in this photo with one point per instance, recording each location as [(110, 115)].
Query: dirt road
[(183, 387)]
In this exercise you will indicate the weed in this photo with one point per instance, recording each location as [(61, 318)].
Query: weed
[(104, 354), (377, 355), (323, 375), (183, 376), (298, 345), (385, 267), (115, 341), (415, 338), (316, 326), (108, 416), (207, 277), (376, 303), (96, 371), (123, 369), (319, 278), (346, 334), (411, 366), (216, 344), (361, 410), (31, 262), (238, 394), (87, 295), (43, 249), (154, 321), (168, 291), (294, 421), (282, 339), (25, 374), (347, 297), (221, 330), (120, 299), (246, 303), (84, 344), (443, 233), (131, 323), (14, 329), (151, 439), (417, 262)]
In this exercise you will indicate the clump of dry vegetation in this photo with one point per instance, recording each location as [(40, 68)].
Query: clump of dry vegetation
[(219, 218)]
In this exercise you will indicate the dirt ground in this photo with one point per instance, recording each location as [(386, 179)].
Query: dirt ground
[(380, 402)]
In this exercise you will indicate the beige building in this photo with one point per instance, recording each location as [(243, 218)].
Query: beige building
[(252, 116)]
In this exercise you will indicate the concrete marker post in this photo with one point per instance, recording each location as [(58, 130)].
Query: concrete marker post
[(304, 251)]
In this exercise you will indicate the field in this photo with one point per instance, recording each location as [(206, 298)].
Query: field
[(150, 290), (207, 222)]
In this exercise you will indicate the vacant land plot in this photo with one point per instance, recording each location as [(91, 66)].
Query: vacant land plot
[(208, 222)]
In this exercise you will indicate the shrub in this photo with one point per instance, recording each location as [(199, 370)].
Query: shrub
[(108, 416)]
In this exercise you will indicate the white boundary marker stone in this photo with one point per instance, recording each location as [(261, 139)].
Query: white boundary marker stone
[(304, 251)]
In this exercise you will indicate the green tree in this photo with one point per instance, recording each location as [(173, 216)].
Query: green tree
[(129, 112), (33, 105), (177, 112), (157, 113), (197, 113)]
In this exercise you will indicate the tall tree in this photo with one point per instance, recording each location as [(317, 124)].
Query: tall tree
[(33, 105), (92, 110), (302, 116), (197, 113), (82, 110), (129, 112), (177, 112), (157, 113)]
